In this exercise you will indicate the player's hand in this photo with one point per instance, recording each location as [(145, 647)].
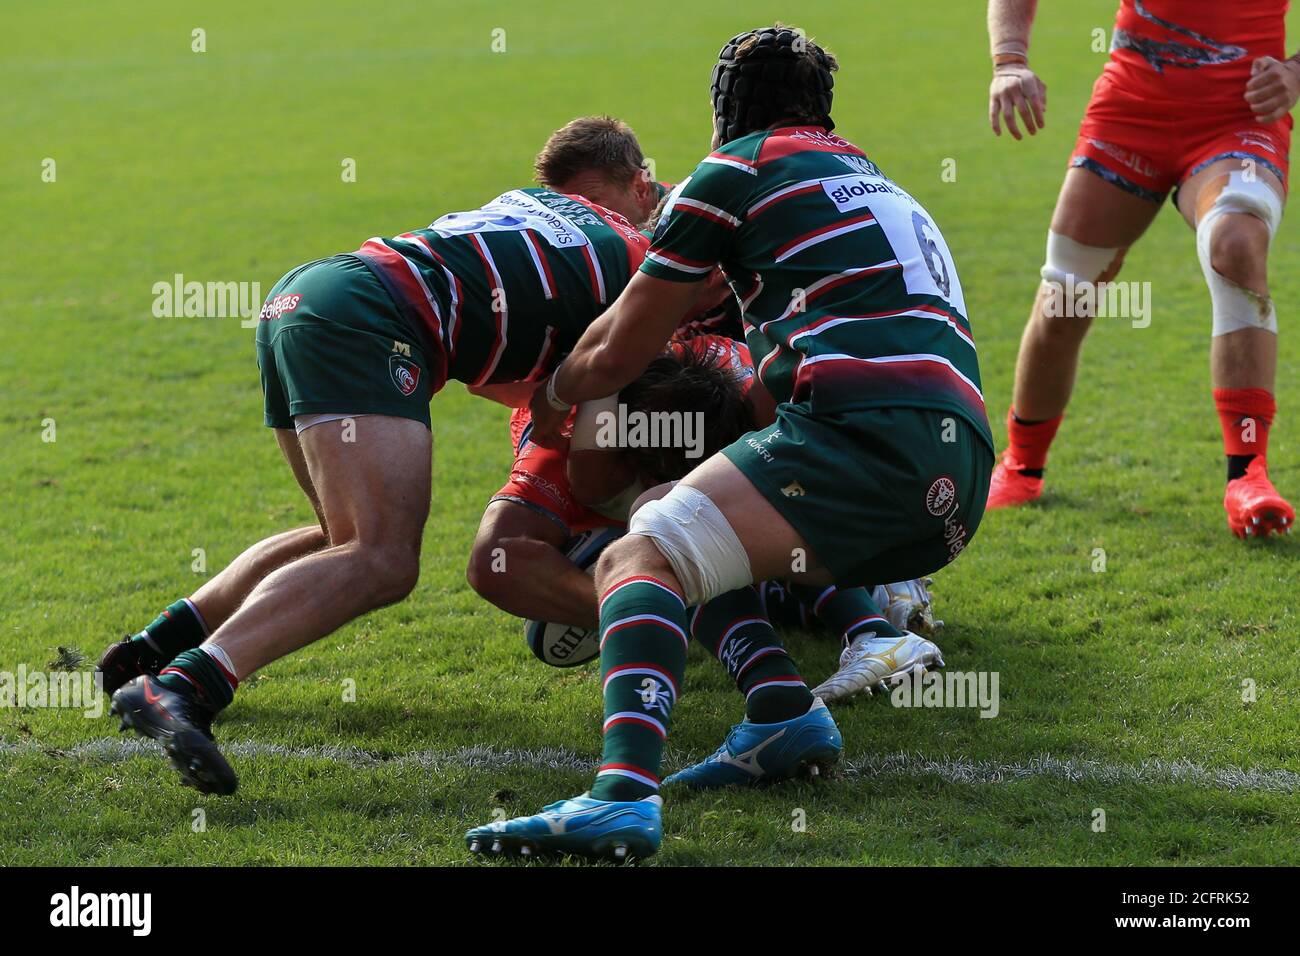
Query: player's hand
[(1273, 89), (1015, 88), (548, 421)]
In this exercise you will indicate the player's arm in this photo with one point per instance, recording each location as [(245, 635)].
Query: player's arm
[(618, 346), (1273, 88), (1015, 87), (693, 237), (614, 350), (761, 404)]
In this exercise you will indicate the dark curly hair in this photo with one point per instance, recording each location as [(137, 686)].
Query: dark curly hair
[(682, 381)]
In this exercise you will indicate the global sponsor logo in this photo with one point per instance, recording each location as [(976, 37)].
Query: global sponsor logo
[(854, 192), (517, 211)]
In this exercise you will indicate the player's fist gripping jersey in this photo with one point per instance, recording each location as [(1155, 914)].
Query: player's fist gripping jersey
[(856, 321), (1170, 99), (497, 294)]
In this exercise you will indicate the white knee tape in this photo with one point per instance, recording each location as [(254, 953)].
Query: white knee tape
[(1235, 307), (1066, 258), (698, 541)]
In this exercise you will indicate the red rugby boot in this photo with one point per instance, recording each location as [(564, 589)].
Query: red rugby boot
[(1010, 486), (1255, 509)]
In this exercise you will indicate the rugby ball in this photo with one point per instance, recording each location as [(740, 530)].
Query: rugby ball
[(566, 645)]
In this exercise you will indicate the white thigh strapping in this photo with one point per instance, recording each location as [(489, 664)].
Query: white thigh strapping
[(1065, 257), (698, 541)]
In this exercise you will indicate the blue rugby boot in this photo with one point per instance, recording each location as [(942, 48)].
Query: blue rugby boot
[(601, 829), (757, 753)]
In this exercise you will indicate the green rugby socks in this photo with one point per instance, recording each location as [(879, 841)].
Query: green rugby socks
[(733, 628), (179, 628), (848, 612), (204, 672), (642, 658)]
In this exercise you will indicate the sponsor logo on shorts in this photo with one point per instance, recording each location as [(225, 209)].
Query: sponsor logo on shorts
[(1249, 138), (941, 501), (559, 498), (279, 305), (941, 495), (1134, 161), (405, 373), (954, 536), (793, 490), (760, 444)]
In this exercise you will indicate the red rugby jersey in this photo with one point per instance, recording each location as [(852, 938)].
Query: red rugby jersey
[(1195, 49)]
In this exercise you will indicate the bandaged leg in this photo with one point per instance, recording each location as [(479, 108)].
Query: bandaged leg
[(1236, 307), (1070, 270)]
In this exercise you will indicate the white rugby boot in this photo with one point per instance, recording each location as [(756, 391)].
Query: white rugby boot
[(908, 606), (871, 662)]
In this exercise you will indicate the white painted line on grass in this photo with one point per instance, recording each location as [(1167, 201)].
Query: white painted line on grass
[(902, 764)]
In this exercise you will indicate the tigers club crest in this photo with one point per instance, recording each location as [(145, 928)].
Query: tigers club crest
[(405, 373)]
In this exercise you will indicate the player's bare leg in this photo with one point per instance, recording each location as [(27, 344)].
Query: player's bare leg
[(1234, 205), (189, 622), (1096, 222), (374, 495), (518, 564)]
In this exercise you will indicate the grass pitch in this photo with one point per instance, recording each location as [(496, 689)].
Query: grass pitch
[(1121, 690)]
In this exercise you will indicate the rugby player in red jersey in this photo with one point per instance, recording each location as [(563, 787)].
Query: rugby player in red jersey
[(1195, 98), (351, 349)]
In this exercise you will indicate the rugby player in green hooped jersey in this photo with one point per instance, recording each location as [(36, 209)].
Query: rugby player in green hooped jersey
[(351, 349), (876, 469)]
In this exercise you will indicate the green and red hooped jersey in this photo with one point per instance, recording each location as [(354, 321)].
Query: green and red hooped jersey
[(848, 291), (502, 292)]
